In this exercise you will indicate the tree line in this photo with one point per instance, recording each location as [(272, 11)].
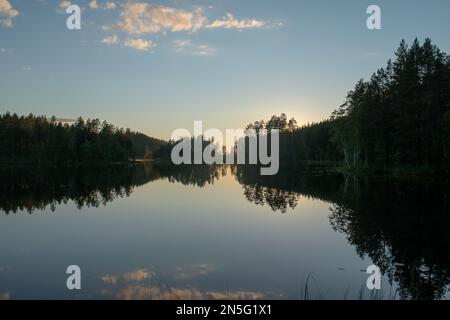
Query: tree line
[(399, 117), (39, 139), (312, 142)]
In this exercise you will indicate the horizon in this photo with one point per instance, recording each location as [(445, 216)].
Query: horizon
[(227, 63), (225, 150)]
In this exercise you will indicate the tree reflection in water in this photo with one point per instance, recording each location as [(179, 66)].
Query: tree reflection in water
[(36, 188), (403, 226), (31, 188), (282, 191)]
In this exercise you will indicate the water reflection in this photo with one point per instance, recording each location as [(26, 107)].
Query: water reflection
[(403, 226), (194, 175), (30, 189), (143, 284), (33, 189), (282, 191)]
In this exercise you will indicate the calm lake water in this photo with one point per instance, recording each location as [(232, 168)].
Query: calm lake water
[(161, 232)]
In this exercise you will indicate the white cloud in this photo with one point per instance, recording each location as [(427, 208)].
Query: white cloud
[(109, 279), (138, 285), (110, 40), (7, 23), (230, 22), (139, 44), (137, 275), (93, 4), (141, 291), (110, 5), (187, 47), (64, 4), (140, 18), (7, 13)]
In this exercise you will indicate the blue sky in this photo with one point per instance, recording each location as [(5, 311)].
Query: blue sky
[(155, 66)]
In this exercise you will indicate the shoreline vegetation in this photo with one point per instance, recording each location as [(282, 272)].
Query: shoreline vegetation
[(396, 123)]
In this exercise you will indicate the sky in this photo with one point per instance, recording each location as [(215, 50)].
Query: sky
[(155, 66)]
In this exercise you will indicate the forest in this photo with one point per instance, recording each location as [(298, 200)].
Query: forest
[(400, 117), (38, 139)]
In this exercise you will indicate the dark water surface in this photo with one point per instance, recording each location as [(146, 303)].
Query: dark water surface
[(161, 232)]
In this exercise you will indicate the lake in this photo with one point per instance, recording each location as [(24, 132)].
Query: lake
[(220, 232)]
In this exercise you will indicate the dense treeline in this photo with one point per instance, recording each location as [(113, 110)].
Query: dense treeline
[(399, 117), (165, 149), (41, 140), (145, 147), (309, 142)]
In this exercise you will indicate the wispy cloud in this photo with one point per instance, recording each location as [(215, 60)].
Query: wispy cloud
[(139, 44), (93, 4), (140, 18), (187, 47), (141, 284), (153, 292), (7, 13), (110, 40), (108, 5), (137, 275), (109, 279), (230, 22), (63, 5), (135, 43)]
